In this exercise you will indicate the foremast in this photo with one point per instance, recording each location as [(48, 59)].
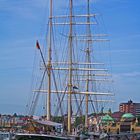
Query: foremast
[(49, 65)]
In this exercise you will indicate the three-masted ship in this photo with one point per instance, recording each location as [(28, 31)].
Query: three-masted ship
[(74, 82)]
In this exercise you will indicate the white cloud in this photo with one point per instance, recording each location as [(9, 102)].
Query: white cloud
[(128, 75), (25, 9), (126, 65), (132, 74)]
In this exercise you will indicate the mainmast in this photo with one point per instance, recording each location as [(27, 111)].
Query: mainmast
[(88, 61), (70, 69), (49, 65)]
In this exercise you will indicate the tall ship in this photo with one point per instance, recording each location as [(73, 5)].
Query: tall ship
[(75, 83)]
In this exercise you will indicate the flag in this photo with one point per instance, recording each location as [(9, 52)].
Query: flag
[(75, 87), (37, 45)]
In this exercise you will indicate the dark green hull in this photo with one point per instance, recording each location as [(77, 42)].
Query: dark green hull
[(41, 137)]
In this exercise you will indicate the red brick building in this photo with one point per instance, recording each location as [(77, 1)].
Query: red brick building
[(130, 107)]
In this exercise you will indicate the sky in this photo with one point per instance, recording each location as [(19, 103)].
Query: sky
[(23, 22)]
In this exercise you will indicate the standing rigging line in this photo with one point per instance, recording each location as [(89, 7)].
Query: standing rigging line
[(38, 47), (59, 99), (34, 103)]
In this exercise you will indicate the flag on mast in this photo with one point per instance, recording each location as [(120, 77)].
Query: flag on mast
[(37, 45)]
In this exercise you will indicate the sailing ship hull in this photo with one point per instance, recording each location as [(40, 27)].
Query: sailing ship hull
[(22, 136)]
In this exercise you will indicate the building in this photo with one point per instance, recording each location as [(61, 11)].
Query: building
[(130, 107), (127, 123)]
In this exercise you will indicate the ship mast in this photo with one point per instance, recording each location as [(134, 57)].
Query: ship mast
[(88, 61), (70, 69), (49, 65)]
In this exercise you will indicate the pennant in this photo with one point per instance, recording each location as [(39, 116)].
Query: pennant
[(37, 45)]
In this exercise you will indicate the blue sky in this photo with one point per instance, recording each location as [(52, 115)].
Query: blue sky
[(23, 22)]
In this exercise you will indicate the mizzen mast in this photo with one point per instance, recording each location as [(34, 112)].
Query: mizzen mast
[(88, 61), (49, 65), (70, 69)]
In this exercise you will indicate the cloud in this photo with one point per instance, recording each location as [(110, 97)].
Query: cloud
[(128, 75), (25, 9), (125, 51), (132, 74), (125, 65)]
